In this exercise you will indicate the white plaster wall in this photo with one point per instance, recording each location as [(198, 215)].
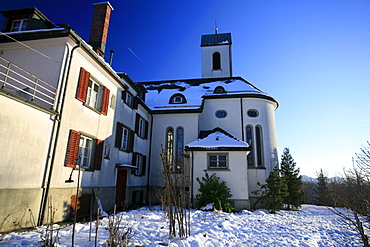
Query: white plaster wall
[(236, 176), (266, 119), (207, 63), (188, 121), (24, 135), (231, 123)]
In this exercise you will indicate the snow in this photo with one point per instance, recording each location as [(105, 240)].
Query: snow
[(310, 226), (158, 95), (217, 140)]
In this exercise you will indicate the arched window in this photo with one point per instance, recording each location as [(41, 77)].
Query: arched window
[(250, 157), (179, 148), (219, 89), (177, 98), (216, 58), (169, 146), (259, 148)]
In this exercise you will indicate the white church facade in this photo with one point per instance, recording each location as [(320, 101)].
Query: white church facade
[(79, 134)]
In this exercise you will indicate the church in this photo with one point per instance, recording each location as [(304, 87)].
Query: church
[(82, 136)]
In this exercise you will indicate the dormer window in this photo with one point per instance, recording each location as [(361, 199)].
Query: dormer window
[(19, 25), (219, 89), (177, 99)]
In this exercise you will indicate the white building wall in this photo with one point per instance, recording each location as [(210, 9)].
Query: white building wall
[(188, 121)]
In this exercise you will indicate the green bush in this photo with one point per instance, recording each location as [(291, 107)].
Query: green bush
[(213, 191)]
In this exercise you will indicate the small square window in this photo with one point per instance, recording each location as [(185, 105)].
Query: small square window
[(19, 25), (217, 161)]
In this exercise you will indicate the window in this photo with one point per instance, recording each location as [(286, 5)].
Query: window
[(252, 113), (141, 127), (219, 89), (92, 93), (169, 146), (139, 161), (83, 151), (216, 58), (221, 114), (129, 99), (177, 98), (124, 138), (259, 149), (19, 25), (217, 161), (179, 148), (250, 157), (106, 153), (113, 101)]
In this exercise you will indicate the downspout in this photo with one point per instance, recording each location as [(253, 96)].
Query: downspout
[(149, 158), (242, 116), (192, 178), (61, 101)]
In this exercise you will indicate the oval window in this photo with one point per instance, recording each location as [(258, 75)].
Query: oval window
[(221, 114), (252, 113)]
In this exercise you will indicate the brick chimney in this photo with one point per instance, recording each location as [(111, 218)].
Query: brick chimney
[(99, 27)]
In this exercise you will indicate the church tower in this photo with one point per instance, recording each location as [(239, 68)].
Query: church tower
[(216, 55)]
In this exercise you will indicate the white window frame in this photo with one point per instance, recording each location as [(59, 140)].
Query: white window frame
[(139, 164), (106, 153), (85, 152), (141, 128), (93, 98), (113, 101), (22, 26), (129, 99), (125, 138), (218, 161)]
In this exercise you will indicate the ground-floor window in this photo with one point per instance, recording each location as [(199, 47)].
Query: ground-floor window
[(217, 161)]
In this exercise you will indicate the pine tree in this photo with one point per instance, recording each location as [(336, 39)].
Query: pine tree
[(293, 180), (322, 189), (272, 192)]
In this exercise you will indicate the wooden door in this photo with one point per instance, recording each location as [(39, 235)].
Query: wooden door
[(121, 188)]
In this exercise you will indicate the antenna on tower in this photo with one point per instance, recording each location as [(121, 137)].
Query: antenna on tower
[(216, 28)]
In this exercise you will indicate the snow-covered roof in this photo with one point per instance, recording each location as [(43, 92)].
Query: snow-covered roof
[(218, 140), (194, 90)]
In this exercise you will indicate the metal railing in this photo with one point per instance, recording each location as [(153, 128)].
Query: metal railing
[(22, 83)]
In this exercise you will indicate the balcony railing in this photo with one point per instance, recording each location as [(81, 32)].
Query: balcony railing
[(22, 83)]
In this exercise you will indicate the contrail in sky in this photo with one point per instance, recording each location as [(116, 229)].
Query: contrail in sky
[(135, 54)]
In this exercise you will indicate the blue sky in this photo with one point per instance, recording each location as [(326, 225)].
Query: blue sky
[(313, 56)]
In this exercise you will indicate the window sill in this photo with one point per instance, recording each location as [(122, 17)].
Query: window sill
[(257, 167), (92, 108), (218, 169), (126, 151)]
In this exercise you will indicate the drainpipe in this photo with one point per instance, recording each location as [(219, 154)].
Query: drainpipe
[(192, 178), (149, 158), (242, 116), (57, 121)]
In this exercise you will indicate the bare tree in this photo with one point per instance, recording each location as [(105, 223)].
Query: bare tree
[(174, 196)]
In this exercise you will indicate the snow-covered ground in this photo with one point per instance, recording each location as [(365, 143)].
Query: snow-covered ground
[(310, 226)]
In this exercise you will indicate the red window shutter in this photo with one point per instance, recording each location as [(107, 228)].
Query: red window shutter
[(105, 101), (83, 84), (143, 166), (137, 119), (119, 132), (98, 154), (123, 96), (72, 148), (131, 141), (136, 102), (134, 156)]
